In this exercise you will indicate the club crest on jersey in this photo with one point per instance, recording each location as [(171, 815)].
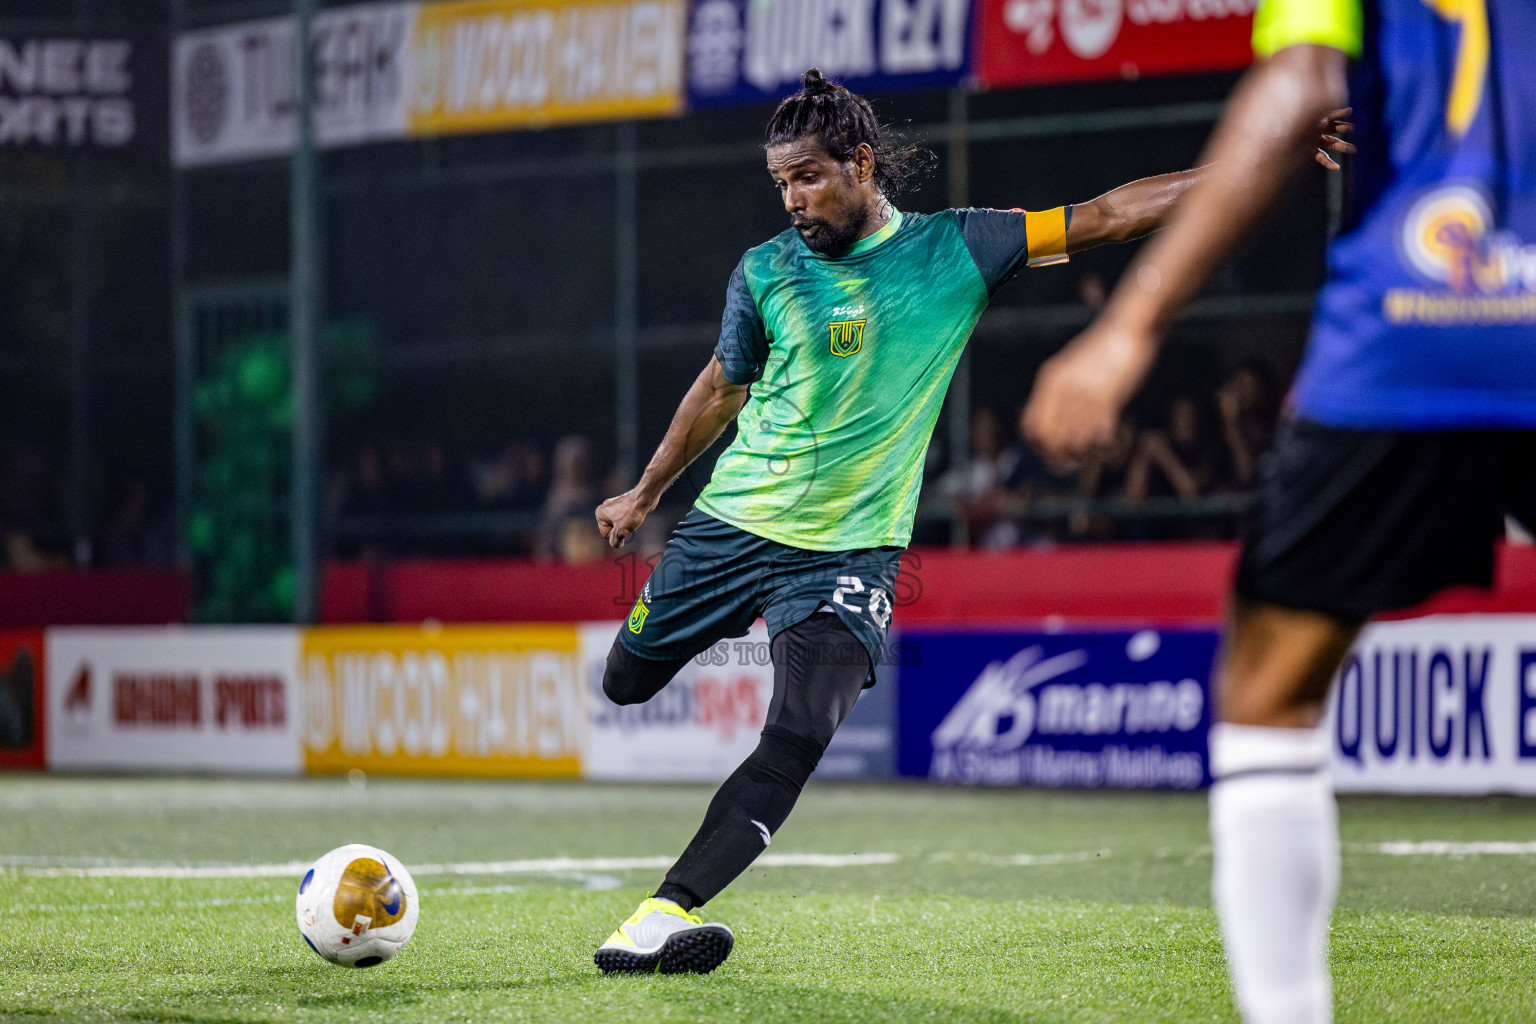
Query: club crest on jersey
[(847, 336), (637, 614)]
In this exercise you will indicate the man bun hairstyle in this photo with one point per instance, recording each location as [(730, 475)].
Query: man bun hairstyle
[(839, 120)]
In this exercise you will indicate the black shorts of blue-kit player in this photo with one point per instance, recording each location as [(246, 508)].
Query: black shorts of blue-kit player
[(1354, 522), (713, 580)]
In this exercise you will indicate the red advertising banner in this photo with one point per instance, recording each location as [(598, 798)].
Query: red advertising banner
[(21, 698), (1036, 42)]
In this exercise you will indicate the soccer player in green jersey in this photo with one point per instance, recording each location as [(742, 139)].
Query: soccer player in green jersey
[(838, 341)]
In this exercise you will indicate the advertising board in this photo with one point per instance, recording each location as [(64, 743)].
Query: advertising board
[(487, 65), (1117, 709), (233, 87), (706, 721), (82, 92), (1441, 704), (463, 700), (21, 699), (754, 51), (1036, 42), (170, 699), (392, 71)]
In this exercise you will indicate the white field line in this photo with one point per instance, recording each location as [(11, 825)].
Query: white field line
[(1030, 860), (96, 908), (1447, 849), (42, 867)]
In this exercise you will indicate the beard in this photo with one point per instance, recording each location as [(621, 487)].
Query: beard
[(827, 238)]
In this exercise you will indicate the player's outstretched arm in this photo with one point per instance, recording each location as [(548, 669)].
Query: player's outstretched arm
[(1268, 133), (1127, 213), (1143, 206), (710, 404)]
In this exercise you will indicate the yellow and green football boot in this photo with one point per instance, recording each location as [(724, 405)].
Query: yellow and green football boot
[(663, 938)]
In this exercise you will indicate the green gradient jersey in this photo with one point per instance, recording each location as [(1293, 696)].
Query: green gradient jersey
[(850, 358)]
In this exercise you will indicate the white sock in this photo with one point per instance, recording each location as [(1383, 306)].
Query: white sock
[(1275, 835)]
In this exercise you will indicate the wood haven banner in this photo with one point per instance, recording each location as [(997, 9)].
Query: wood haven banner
[(485, 65), (405, 700), (1037, 42)]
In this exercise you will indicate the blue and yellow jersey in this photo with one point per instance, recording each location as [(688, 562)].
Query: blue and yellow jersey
[(1428, 317)]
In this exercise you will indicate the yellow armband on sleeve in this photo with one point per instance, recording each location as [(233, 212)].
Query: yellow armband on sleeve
[(1281, 23), (1047, 236)]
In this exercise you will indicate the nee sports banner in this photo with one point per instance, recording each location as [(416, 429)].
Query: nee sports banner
[(754, 51), (1128, 710), (1035, 42), (465, 700), (1443, 704), (82, 92)]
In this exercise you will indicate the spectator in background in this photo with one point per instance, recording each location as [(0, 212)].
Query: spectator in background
[(1103, 474), (1246, 403), (368, 493), (572, 493), (444, 486), (975, 487), (1091, 291), (1103, 477), (515, 481), (135, 535), (424, 479), (1027, 476), (34, 534), (1180, 460)]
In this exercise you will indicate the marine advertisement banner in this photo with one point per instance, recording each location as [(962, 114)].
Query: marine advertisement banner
[(1442, 704), (754, 51), (1118, 709), (220, 699), (21, 699), (1037, 42), (463, 700)]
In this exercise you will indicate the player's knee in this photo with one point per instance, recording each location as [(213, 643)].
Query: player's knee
[(785, 756), (630, 679), (1279, 663)]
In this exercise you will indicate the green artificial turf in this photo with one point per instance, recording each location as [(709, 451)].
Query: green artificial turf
[(998, 906)]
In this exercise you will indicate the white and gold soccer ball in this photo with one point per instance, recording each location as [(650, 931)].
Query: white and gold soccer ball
[(357, 906)]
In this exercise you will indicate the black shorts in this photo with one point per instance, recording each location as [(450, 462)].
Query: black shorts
[(714, 580), (1353, 522)]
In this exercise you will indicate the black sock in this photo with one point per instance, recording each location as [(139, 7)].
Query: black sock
[(748, 808)]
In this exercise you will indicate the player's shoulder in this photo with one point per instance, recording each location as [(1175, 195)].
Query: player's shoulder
[(985, 214), (778, 253)]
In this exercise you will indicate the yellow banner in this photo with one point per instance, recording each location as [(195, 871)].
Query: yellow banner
[(482, 65), (497, 700)]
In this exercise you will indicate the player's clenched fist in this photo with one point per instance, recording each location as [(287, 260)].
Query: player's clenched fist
[(1080, 392), (619, 517)]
